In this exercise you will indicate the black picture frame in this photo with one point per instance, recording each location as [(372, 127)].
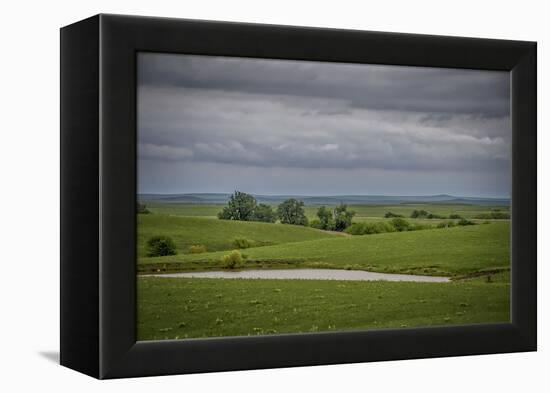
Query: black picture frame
[(98, 196)]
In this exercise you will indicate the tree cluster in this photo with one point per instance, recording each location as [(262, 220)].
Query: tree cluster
[(244, 207), (337, 219)]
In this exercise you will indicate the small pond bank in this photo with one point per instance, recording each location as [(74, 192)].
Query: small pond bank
[(306, 274)]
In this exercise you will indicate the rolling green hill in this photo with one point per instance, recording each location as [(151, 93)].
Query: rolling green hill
[(449, 251), (217, 234)]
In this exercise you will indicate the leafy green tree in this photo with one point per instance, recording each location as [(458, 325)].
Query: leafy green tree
[(292, 211), (342, 217), (325, 218), (240, 207), (264, 213)]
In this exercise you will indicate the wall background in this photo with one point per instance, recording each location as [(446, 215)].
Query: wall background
[(29, 196)]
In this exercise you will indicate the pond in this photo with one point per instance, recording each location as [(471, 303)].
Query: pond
[(307, 274)]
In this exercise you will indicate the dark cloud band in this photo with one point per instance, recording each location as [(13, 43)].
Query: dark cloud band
[(307, 117)]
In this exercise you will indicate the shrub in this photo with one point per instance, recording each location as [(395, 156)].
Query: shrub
[(241, 242), (465, 222), (455, 216), (392, 215), (160, 246), (447, 224), (432, 215), (197, 249), (316, 224), (378, 227), (233, 260), (494, 215), (400, 224), (355, 229), (419, 213), (369, 228), (142, 209)]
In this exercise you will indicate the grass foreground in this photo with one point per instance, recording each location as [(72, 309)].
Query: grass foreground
[(177, 308)]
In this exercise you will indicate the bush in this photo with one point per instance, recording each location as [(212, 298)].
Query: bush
[(234, 260), (494, 215), (355, 229), (316, 224), (455, 216), (160, 246), (448, 224), (142, 209), (400, 224), (465, 222), (369, 228), (419, 214), (241, 242), (197, 249), (432, 215), (392, 215)]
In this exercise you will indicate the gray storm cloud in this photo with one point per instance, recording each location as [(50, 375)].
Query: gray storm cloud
[(449, 129)]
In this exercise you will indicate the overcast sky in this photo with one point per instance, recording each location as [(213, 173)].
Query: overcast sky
[(219, 124)]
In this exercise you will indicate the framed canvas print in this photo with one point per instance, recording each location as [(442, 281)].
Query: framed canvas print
[(239, 196)]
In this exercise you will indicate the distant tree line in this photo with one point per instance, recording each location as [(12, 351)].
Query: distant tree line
[(244, 207), (426, 214), (399, 224), (494, 215)]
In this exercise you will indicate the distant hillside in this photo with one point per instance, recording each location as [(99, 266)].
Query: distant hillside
[(221, 198)]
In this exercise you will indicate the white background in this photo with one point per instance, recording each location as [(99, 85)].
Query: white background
[(29, 194)]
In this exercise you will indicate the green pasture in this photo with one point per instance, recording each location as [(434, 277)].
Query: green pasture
[(477, 257), (219, 234), (449, 251), (177, 308)]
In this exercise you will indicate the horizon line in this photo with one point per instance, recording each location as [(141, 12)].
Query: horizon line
[(330, 195)]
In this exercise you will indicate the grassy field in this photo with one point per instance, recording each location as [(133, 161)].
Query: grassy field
[(449, 251), (219, 234), (477, 257), (172, 308)]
